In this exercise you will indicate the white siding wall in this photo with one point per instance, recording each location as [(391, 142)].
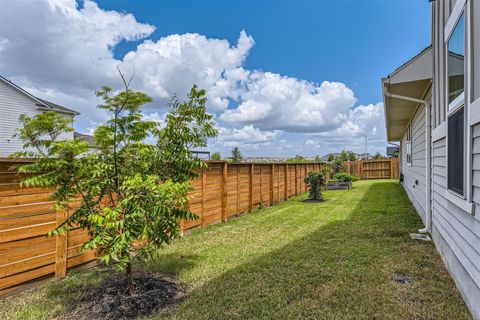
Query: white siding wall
[(416, 172), (13, 103)]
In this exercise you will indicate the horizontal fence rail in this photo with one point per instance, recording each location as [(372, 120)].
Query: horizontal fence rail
[(26, 254), (222, 191)]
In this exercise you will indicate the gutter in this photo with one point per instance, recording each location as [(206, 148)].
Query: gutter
[(428, 160)]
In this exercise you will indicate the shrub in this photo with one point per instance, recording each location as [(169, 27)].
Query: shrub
[(344, 177), (315, 182)]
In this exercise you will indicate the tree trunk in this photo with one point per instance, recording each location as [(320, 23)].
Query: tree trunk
[(130, 283)]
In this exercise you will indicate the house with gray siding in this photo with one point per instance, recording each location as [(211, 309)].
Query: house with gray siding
[(15, 101), (432, 107)]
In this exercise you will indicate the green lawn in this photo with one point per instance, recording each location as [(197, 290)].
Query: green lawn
[(331, 260)]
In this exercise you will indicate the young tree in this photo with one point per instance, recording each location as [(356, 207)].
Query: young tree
[(378, 156), (352, 156), (216, 156), (337, 163), (330, 157), (236, 155), (130, 195)]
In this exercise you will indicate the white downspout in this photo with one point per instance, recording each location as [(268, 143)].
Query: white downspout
[(428, 169), (428, 160)]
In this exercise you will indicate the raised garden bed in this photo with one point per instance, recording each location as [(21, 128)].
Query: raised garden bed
[(336, 185)]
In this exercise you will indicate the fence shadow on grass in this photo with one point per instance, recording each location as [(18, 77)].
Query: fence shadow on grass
[(346, 269)]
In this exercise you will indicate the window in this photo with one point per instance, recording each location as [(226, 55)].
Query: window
[(408, 145), (456, 65), (456, 111), (455, 151)]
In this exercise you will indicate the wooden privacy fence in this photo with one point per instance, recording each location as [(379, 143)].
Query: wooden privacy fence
[(229, 189), (374, 169), (26, 254), (26, 215)]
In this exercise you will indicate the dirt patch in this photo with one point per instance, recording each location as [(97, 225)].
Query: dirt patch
[(109, 301), (313, 201)]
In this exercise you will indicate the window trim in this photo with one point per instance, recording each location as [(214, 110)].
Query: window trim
[(455, 15), (452, 197), (461, 7), (458, 101), (408, 145)]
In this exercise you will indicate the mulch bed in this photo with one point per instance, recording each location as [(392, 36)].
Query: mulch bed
[(109, 301)]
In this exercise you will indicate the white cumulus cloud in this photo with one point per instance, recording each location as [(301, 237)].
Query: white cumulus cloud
[(272, 101), (63, 52)]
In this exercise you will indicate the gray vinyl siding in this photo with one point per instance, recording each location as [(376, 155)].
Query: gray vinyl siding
[(416, 172), (457, 233), (13, 103)]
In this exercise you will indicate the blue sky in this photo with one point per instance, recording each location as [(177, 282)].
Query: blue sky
[(355, 42), (282, 77)]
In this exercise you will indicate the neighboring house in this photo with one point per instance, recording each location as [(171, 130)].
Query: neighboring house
[(432, 106), (15, 101)]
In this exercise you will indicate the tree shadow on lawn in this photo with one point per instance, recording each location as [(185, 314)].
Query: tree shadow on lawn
[(345, 269)]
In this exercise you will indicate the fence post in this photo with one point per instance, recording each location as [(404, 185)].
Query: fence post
[(391, 168), (224, 190), (250, 197), (278, 184), (238, 189), (204, 189), (272, 173), (296, 179), (305, 167), (361, 170), (61, 246), (261, 186)]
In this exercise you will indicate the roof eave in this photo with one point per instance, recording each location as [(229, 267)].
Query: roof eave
[(416, 71), (47, 108), (42, 105), (387, 114)]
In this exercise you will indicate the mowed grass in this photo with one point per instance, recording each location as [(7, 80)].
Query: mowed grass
[(333, 260)]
